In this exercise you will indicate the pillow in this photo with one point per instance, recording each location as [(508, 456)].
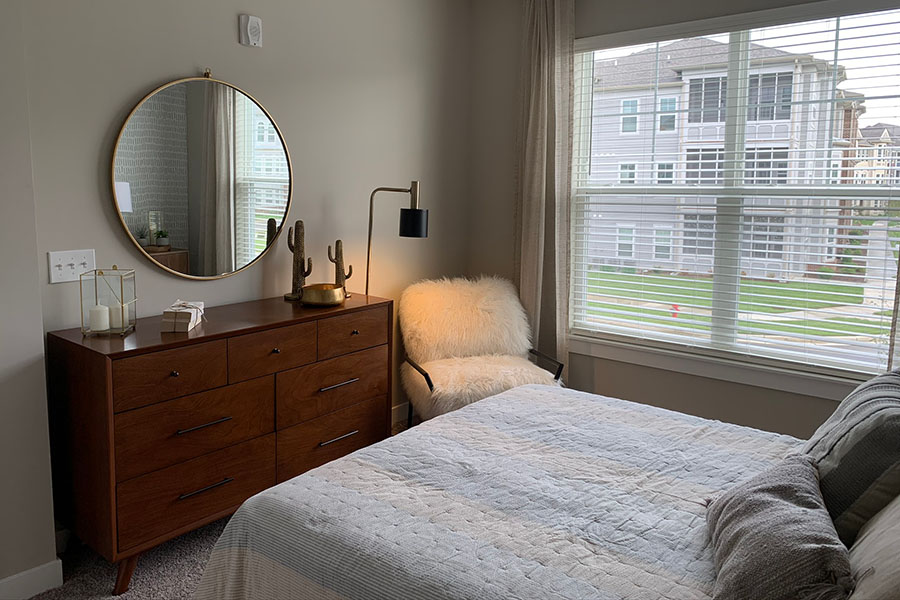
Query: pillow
[(875, 557), (858, 455), (772, 538)]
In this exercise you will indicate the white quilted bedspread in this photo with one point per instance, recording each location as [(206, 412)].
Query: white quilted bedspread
[(536, 493)]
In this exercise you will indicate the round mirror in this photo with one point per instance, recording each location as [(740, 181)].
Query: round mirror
[(201, 178)]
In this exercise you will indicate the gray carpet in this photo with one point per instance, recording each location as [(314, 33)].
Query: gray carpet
[(168, 572)]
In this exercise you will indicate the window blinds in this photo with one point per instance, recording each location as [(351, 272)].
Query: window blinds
[(740, 192), (262, 179)]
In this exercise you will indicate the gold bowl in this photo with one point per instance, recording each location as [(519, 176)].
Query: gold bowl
[(322, 294)]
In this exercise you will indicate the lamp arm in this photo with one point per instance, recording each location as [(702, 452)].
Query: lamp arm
[(372, 206)]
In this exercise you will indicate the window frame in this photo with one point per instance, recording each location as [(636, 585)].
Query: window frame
[(633, 243), (673, 112)]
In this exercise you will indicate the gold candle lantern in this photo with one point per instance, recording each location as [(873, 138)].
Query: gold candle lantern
[(108, 301)]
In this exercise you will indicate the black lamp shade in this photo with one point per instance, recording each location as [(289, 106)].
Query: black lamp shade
[(414, 222)]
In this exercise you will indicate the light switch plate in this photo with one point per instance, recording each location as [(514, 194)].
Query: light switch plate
[(67, 265)]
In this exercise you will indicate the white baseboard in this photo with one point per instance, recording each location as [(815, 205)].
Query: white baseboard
[(398, 413), (32, 582)]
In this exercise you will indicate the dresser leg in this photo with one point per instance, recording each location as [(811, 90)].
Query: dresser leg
[(126, 568)]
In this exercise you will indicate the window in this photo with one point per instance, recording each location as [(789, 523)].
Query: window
[(763, 237), (625, 242), (769, 241), (665, 173), (770, 97), (662, 243), (667, 108), (261, 179), (699, 234), (629, 116), (707, 100), (767, 166), (705, 165)]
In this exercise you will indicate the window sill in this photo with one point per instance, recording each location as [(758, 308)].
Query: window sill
[(830, 387)]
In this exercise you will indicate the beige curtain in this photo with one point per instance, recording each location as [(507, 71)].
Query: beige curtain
[(216, 238), (544, 175)]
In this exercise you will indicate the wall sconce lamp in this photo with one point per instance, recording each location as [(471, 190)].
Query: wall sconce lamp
[(413, 220)]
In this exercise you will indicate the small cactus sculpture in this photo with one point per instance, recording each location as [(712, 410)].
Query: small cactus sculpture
[(271, 231), (296, 244), (340, 277)]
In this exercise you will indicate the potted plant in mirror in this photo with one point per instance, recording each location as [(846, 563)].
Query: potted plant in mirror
[(143, 237), (162, 238)]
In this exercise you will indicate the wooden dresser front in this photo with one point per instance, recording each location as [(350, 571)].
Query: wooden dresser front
[(156, 434)]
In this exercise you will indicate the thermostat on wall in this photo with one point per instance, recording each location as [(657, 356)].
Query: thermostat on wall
[(251, 30)]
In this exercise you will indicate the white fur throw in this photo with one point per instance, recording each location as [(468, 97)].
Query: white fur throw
[(462, 317), (462, 381)]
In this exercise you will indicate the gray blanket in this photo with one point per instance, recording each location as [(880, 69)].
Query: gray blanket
[(538, 492)]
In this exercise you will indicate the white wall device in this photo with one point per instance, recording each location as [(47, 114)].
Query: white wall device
[(251, 31)]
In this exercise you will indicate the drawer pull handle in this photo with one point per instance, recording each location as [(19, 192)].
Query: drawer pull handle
[(337, 385), (354, 332), (174, 373), (276, 350), (206, 489), (339, 438), (210, 424)]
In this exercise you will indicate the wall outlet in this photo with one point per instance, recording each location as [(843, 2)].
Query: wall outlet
[(67, 265)]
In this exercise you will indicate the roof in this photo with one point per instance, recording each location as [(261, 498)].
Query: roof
[(640, 68), (874, 133)]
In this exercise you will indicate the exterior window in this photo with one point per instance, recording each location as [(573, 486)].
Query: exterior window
[(699, 234), (770, 97), (767, 166), (627, 173), (763, 237), (625, 242), (629, 116), (665, 173), (706, 100), (705, 166), (662, 244), (667, 108)]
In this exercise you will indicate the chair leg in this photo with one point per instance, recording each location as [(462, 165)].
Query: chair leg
[(409, 416)]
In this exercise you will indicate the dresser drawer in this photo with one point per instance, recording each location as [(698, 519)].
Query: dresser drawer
[(269, 351), (308, 445), (356, 331), (153, 437), (163, 501), (158, 376), (329, 385)]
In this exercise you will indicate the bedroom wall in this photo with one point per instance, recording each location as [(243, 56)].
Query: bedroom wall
[(366, 93), (26, 513), (496, 70)]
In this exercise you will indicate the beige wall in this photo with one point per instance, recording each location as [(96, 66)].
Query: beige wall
[(366, 93), (752, 405), (26, 513)]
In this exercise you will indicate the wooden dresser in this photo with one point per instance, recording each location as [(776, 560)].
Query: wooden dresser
[(156, 434)]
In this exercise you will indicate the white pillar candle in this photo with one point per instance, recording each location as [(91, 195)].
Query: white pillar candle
[(99, 318), (115, 315)]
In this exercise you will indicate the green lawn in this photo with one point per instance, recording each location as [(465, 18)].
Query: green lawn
[(756, 296), (836, 327)]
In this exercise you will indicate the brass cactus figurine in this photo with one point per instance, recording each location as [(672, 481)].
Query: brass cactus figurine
[(297, 246), (271, 231), (340, 277)]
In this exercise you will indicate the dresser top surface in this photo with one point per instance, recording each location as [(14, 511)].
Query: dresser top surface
[(220, 322)]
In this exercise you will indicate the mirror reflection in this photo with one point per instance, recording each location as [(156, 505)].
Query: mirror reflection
[(201, 178)]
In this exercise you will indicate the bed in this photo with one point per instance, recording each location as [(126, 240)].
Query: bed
[(538, 492)]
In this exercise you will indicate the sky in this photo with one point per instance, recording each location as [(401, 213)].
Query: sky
[(867, 46)]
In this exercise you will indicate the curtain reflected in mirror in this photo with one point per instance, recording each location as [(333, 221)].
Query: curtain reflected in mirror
[(205, 166)]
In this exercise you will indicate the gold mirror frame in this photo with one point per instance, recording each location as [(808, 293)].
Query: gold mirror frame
[(112, 179)]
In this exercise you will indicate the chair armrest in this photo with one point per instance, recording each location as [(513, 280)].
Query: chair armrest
[(559, 365), (422, 371)]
